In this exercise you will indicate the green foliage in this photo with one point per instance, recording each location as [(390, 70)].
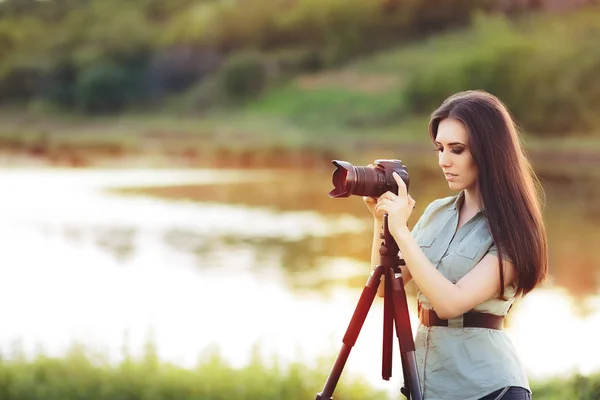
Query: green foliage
[(60, 85), (576, 387), (489, 61), (340, 26), (298, 60), (82, 375), (545, 76), (79, 376), (244, 75), (103, 88), (96, 56), (432, 15), (345, 108), (312, 34), (21, 83)]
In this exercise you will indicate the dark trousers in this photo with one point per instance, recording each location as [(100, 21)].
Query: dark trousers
[(513, 393)]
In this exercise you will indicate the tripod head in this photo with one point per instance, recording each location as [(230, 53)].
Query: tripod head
[(388, 251)]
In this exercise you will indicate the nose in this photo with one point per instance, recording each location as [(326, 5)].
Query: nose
[(444, 159)]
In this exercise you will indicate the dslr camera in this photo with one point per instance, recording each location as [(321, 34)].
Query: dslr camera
[(367, 181)]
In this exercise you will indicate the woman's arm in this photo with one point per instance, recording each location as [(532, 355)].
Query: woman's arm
[(450, 300)]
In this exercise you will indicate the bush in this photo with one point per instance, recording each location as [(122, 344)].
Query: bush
[(575, 387), (179, 68), (295, 61), (105, 87), (59, 85), (340, 28), (550, 87), (244, 75), (21, 83), (495, 69)]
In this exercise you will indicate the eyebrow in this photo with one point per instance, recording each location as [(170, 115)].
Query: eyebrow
[(452, 144)]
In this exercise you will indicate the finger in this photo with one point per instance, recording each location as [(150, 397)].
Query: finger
[(401, 185), (382, 201), (389, 202), (382, 211), (390, 195), (384, 205), (412, 202)]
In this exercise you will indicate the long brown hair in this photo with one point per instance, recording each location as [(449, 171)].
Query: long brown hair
[(509, 189)]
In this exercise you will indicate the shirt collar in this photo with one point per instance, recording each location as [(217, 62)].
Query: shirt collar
[(458, 202)]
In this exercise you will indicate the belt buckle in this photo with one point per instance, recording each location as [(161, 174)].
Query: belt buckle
[(457, 322)]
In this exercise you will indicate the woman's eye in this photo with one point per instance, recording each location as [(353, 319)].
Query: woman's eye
[(458, 150)]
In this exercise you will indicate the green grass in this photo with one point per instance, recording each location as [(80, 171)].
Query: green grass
[(330, 107), (83, 375)]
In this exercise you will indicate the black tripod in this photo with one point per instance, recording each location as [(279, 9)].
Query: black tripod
[(395, 310)]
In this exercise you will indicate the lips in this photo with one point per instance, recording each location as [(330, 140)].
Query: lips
[(450, 177)]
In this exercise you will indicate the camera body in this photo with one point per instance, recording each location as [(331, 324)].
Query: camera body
[(370, 181)]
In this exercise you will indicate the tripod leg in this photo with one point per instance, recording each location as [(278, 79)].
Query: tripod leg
[(388, 331), (405, 339), (358, 318)]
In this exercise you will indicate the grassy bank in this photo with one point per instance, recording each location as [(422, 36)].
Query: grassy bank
[(80, 376), (374, 105), (243, 140)]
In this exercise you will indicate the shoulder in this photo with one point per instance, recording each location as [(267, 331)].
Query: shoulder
[(436, 208), (440, 204)]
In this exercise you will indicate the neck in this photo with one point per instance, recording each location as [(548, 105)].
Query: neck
[(472, 201)]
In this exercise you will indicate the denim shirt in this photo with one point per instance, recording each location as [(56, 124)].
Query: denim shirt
[(456, 363)]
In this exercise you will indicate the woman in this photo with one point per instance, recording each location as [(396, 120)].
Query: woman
[(472, 254)]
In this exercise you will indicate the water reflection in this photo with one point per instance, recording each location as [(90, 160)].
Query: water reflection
[(572, 213), (112, 258)]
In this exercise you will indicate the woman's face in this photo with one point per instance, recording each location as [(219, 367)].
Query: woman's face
[(454, 155)]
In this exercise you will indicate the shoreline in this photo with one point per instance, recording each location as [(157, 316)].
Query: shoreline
[(159, 141), (566, 163)]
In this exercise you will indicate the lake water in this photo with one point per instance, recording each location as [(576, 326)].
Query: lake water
[(196, 259)]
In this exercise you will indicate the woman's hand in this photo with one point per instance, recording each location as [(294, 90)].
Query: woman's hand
[(371, 203), (398, 207)]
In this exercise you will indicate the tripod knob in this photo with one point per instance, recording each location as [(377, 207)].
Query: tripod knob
[(383, 250)]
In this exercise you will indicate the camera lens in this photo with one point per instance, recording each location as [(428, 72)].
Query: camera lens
[(362, 181), (343, 179), (366, 181)]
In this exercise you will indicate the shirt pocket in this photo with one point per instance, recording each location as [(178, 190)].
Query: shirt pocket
[(461, 261), (467, 251), (426, 242), (426, 245)]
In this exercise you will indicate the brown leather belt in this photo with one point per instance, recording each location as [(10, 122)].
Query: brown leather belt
[(471, 319)]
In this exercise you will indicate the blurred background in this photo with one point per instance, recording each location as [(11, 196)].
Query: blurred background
[(166, 230)]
